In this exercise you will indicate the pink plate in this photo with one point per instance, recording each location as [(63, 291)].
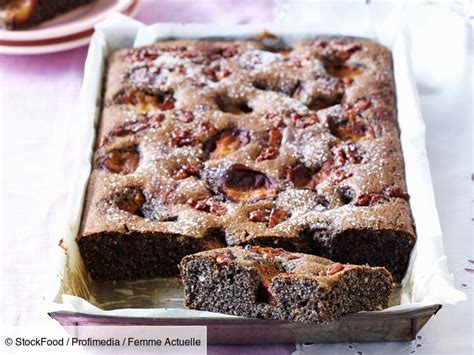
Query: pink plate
[(71, 30)]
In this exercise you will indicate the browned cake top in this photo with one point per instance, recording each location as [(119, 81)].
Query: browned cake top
[(256, 141)]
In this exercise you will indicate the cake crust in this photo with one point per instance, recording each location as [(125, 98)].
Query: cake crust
[(206, 144)]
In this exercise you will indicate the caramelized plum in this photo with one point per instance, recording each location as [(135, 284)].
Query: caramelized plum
[(267, 154), (335, 50), (131, 201), (351, 125), (186, 171), (144, 102), (216, 73), (331, 269), (398, 193), (277, 215), (326, 170), (209, 205), (150, 121), (346, 153), (300, 175), (183, 115), (226, 142), (120, 161), (183, 137), (369, 199), (240, 183)]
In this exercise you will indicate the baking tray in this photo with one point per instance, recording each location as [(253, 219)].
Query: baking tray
[(360, 327), (160, 301)]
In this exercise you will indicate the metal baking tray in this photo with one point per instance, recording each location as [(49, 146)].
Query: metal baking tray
[(394, 325), (359, 327)]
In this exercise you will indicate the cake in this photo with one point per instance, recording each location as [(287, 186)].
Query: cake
[(207, 144), (16, 14), (272, 283)]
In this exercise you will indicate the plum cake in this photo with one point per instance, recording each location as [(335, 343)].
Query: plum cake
[(272, 283), (16, 14), (207, 144)]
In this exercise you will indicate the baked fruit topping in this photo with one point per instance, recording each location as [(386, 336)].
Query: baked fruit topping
[(331, 269), (186, 171), (183, 137), (209, 205), (270, 216), (120, 161), (226, 142), (398, 193), (183, 115), (147, 121), (144, 102), (216, 72), (300, 176), (131, 201), (271, 142), (351, 124), (346, 153), (240, 183), (335, 50), (369, 199)]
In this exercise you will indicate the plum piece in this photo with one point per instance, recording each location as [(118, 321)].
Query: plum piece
[(144, 102), (271, 217), (397, 193), (299, 176), (186, 171), (209, 205), (131, 201), (240, 183), (135, 127), (346, 153), (184, 115), (369, 199), (183, 137), (336, 50), (351, 125), (216, 73), (271, 142), (226, 142), (120, 161)]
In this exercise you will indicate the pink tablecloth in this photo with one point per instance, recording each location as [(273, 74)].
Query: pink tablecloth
[(39, 101)]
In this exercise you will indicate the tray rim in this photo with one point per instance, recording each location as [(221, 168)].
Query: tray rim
[(361, 316)]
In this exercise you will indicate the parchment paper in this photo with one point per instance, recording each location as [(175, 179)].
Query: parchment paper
[(427, 281)]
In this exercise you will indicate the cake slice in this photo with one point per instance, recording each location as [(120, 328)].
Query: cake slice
[(272, 283), (25, 13)]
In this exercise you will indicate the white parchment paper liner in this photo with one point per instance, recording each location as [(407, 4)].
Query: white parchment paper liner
[(427, 281)]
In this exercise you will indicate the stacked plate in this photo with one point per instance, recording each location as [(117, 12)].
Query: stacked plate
[(70, 30)]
